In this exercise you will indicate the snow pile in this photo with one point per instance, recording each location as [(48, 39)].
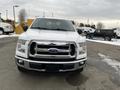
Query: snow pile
[(12, 35), (113, 42), (113, 63)]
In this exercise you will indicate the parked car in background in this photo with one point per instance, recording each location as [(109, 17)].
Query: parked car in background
[(117, 32), (87, 31), (107, 34), (5, 28)]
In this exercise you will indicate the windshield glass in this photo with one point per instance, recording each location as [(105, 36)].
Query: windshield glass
[(53, 24)]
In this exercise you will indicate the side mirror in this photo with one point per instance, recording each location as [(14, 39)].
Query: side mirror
[(25, 28), (79, 31)]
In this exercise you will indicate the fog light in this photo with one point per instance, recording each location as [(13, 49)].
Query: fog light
[(81, 63), (21, 62)]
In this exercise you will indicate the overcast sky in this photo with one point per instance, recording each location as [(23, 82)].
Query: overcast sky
[(97, 9)]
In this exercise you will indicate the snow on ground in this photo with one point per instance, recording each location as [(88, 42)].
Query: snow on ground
[(113, 63), (113, 42), (11, 35)]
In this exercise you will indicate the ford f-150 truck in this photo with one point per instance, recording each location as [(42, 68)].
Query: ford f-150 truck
[(51, 45)]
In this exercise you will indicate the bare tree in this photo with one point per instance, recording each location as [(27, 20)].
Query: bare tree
[(93, 26), (100, 25), (81, 25)]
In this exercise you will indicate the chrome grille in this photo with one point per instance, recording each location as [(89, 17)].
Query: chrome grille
[(52, 50)]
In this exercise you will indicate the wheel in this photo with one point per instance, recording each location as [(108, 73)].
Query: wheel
[(1, 32), (7, 33), (107, 38), (115, 36), (85, 33), (21, 69)]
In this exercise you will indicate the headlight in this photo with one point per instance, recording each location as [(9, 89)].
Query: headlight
[(82, 48), (6, 26), (23, 42), (21, 45)]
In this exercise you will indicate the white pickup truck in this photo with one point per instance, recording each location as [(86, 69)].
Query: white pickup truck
[(5, 28), (117, 32), (86, 29), (51, 45)]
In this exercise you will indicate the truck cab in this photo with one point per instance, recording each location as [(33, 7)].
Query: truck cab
[(51, 45)]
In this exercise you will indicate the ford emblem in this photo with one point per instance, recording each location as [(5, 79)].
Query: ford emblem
[(53, 50)]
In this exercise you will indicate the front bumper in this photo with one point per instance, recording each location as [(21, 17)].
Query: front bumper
[(8, 31), (50, 66), (118, 35)]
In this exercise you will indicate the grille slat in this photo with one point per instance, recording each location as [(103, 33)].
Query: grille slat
[(54, 46)]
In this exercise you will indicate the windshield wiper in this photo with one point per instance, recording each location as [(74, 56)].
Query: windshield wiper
[(60, 29), (39, 28)]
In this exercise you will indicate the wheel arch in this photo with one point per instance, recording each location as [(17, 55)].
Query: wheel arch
[(1, 28)]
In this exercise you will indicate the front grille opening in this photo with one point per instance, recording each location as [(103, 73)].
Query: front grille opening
[(72, 49), (54, 46), (37, 66), (45, 49), (51, 67), (48, 53), (32, 48), (52, 60)]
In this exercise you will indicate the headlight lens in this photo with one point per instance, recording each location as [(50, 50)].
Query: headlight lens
[(21, 45), (6, 26), (22, 42), (82, 47)]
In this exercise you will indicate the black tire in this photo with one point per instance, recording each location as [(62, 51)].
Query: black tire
[(108, 38), (85, 33), (21, 69), (7, 33), (2, 32), (116, 37)]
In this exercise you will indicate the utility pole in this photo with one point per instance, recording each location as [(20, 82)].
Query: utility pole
[(0, 15), (88, 21), (6, 14), (43, 14), (52, 14), (15, 6)]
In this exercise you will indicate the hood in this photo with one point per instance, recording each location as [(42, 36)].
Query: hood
[(4, 24), (35, 34)]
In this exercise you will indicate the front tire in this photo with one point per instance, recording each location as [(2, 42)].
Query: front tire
[(107, 38), (7, 33)]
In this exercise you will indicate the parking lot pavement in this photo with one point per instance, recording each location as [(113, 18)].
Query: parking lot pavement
[(98, 75)]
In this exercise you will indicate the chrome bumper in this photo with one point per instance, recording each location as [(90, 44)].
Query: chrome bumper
[(77, 64)]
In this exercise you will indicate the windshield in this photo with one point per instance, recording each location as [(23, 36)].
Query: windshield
[(52, 24)]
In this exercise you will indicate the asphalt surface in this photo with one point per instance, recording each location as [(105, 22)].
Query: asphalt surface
[(97, 75)]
